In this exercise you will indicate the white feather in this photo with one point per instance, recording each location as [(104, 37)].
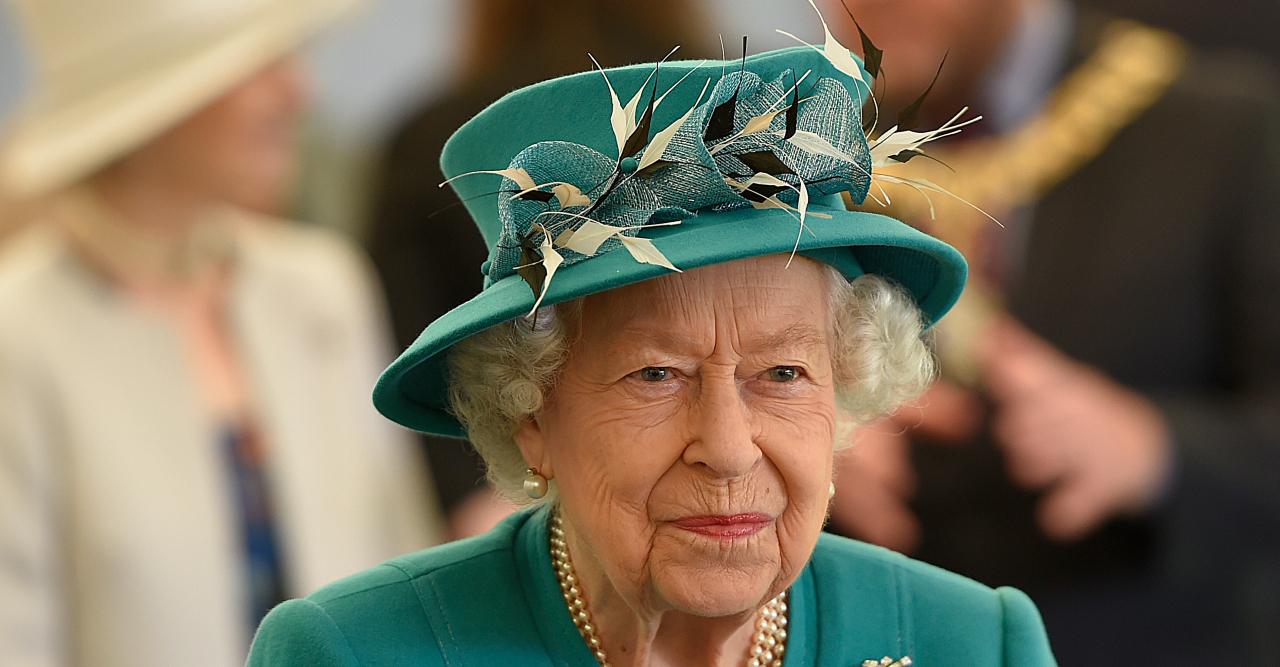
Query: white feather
[(587, 239), (894, 141), (569, 195), (803, 207), (659, 143), (518, 175), (643, 251), (926, 184), (836, 53), (618, 117), (551, 261), (816, 144)]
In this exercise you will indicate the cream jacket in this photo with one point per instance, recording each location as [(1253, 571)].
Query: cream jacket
[(119, 540)]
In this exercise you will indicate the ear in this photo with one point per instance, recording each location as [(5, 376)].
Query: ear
[(532, 443)]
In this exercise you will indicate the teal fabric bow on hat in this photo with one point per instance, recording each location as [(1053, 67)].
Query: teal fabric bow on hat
[(750, 143)]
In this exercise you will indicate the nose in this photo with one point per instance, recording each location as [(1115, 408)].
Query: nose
[(721, 437)]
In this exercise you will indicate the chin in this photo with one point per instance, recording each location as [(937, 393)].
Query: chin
[(714, 576), (262, 190), (719, 595), (716, 590)]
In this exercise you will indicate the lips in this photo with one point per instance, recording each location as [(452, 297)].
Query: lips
[(725, 525)]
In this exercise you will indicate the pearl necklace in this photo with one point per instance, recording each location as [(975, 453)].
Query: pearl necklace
[(767, 647)]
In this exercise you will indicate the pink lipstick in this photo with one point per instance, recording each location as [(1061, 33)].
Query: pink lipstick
[(725, 526)]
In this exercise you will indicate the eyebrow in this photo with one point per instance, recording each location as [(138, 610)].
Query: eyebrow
[(798, 335)]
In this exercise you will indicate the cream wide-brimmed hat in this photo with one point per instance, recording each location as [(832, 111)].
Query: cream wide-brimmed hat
[(111, 74)]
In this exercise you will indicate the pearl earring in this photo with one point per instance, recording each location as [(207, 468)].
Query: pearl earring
[(831, 490), (535, 485)]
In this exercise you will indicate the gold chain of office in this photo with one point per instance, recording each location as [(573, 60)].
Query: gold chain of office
[(1130, 69)]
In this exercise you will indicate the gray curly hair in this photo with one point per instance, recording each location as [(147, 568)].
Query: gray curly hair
[(501, 376)]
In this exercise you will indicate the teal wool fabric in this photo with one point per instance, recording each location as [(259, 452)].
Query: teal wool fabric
[(493, 601), (531, 128)]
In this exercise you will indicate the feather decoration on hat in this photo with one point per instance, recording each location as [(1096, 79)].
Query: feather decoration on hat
[(743, 142)]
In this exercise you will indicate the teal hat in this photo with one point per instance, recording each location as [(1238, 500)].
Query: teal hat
[(606, 178)]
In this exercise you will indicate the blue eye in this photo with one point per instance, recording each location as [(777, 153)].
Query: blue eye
[(654, 374), (783, 373)]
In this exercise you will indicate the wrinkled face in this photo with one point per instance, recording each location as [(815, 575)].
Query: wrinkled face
[(691, 431), (240, 149)]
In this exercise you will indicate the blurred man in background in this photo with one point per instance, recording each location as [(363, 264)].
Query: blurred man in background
[(186, 436), (1108, 434), (424, 245)]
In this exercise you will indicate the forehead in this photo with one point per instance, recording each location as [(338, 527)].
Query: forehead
[(760, 298)]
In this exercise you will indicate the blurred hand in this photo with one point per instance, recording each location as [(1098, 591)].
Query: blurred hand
[(478, 513), (946, 414), (1100, 448), (875, 479)]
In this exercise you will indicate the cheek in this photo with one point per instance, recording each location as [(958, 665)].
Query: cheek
[(597, 444), (798, 437), (607, 463), (245, 136), (251, 142), (620, 465), (801, 450)]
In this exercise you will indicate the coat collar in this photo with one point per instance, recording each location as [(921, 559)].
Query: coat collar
[(130, 255)]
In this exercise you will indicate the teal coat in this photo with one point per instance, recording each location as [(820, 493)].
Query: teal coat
[(494, 600)]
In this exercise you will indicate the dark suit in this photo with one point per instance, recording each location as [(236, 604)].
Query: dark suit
[(1158, 263)]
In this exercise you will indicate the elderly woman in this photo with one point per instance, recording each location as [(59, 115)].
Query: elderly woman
[(678, 319)]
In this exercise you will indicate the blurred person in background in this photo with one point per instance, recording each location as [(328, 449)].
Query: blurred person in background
[(1109, 433), (420, 240), (185, 433)]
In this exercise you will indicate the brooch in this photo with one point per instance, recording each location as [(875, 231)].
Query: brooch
[(886, 661)]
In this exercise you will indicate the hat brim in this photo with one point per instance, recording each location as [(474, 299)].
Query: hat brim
[(413, 391)]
